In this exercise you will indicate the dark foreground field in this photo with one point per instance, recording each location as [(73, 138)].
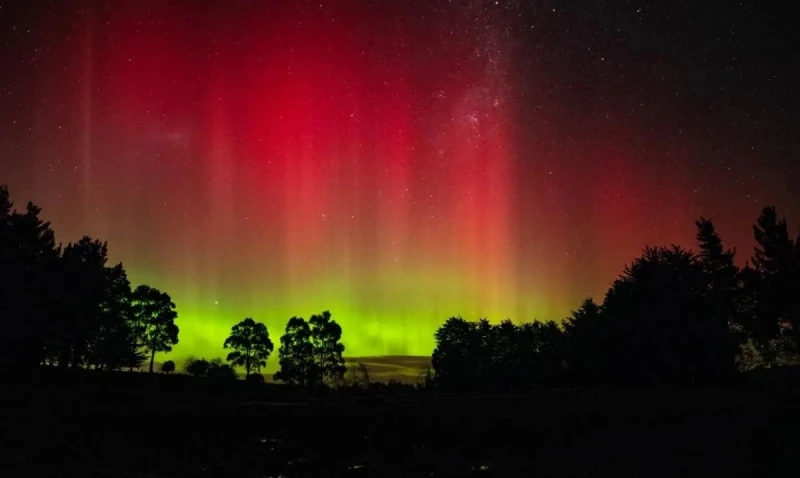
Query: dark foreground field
[(92, 430)]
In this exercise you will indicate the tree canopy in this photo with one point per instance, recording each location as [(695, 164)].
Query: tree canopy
[(67, 306), (484, 356), (672, 317), (28, 286), (155, 316), (250, 345), (168, 366), (296, 354), (311, 352), (326, 336)]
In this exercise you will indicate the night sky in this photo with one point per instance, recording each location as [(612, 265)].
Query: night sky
[(395, 162)]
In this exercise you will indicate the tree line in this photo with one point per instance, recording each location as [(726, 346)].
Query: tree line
[(310, 354), (673, 316), (66, 306)]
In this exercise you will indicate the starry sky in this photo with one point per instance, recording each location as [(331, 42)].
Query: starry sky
[(394, 162)]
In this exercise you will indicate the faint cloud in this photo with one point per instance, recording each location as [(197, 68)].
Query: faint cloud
[(403, 368)]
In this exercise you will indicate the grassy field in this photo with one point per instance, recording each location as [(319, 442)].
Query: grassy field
[(154, 429)]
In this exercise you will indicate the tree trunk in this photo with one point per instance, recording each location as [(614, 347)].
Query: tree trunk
[(152, 358)]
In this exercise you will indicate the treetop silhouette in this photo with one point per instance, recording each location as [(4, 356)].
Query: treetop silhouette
[(250, 345), (672, 317), (311, 352)]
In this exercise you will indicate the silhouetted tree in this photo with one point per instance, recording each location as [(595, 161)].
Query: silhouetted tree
[(721, 288), (251, 345), (84, 288), (756, 317), (168, 366), (455, 358), (134, 357), (587, 336), (64, 307), (96, 324), (510, 357), (326, 337), (774, 282), (28, 256), (676, 317), (311, 352), (5, 204), (548, 343), (114, 343), (485, 350), (155, 318), (296, 355), (196, 367), (219, 371), (479, 355), (661, 330)]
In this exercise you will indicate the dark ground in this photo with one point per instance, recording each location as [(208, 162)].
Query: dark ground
[(171, 426)]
